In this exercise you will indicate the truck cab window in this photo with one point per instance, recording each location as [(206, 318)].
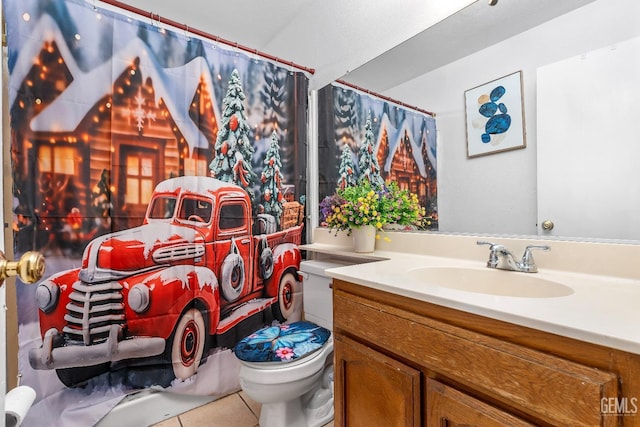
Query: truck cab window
[(232, 216), (162, 207)]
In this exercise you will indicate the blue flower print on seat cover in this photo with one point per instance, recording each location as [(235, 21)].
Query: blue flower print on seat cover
[(282, 343)]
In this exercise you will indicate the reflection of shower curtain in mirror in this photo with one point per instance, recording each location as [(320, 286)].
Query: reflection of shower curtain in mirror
[(140, 158), (403, 145)]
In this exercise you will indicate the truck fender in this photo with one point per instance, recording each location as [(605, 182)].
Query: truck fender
[(285, 256), (171, 290)]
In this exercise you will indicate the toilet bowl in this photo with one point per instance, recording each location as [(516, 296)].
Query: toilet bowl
[(293, 393)]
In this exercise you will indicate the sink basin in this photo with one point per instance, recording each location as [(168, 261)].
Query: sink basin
[(489, 281)]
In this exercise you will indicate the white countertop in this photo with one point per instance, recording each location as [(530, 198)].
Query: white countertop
[(603, 309)]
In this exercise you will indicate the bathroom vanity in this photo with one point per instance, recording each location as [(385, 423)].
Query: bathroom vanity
[(408, 363), (412, 350)]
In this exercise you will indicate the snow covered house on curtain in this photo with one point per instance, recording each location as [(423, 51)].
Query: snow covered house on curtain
[(136, 124), (405, 159)]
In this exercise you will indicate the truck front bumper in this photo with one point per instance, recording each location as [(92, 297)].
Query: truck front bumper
[(112, 350)]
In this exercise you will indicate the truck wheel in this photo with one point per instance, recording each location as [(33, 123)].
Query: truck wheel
[(187, 344), (232, 277), (288, 307), (266, 263), (79, 376)]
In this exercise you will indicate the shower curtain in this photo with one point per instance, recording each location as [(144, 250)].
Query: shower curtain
[(103, 106)]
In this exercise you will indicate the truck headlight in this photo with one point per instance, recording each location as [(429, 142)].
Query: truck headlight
[(138, 298), (47, 294)]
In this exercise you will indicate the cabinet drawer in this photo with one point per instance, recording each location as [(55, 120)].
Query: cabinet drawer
[(551, 389), (448, 407)]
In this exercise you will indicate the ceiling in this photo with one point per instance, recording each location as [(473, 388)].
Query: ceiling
[(374, 44)]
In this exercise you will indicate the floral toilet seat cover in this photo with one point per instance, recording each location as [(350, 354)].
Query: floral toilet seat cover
[(283, 343)]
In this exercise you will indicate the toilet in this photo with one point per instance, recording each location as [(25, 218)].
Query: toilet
[(295, 388), (289, 370)]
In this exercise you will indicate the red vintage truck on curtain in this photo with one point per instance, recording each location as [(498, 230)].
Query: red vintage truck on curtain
[(196, 268)]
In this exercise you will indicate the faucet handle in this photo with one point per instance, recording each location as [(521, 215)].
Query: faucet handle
[(493, 256), (492, 246), (528, 264)]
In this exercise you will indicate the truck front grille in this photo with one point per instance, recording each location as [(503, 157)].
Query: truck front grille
[(91, 311)]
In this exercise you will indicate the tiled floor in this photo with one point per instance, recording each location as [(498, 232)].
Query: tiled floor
[(235, 410)]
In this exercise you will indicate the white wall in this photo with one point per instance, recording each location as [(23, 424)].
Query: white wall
[(497, 193)]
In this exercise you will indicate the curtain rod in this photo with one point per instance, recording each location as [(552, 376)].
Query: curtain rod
[(157, 18), (386, 98)]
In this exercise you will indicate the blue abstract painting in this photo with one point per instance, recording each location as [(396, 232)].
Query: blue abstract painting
[(495, 116)]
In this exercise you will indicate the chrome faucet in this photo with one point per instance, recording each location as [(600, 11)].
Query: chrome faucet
[(500, 257)]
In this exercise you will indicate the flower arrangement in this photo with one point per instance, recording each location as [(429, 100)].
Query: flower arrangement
[(366, 204), (402, 206)]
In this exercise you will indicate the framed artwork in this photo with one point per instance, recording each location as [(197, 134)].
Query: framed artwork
[(494, 115)]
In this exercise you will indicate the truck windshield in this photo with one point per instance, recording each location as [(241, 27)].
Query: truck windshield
[(162, 207), (195, 209)]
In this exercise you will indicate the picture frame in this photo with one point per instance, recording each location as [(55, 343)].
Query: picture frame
[(494, 113)]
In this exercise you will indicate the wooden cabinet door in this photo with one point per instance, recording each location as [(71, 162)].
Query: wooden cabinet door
[(373, 389), (448, 407)]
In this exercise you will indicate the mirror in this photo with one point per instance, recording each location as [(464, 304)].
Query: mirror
[(497, 194)]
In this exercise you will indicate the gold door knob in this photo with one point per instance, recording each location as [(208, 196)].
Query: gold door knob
[(30, 268), (547, 225)]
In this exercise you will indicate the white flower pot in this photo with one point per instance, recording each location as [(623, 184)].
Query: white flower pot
[(364, 238)]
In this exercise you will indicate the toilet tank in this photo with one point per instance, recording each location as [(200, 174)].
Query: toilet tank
[(316, 290)]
